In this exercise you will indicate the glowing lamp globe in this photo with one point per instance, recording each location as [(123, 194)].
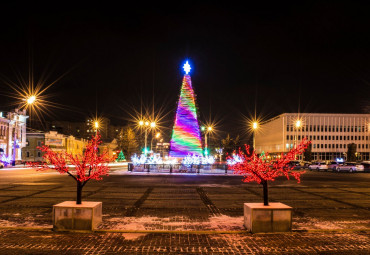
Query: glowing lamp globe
[(31, 100)]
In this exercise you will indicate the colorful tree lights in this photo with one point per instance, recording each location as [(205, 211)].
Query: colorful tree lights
[(186, 134), (257, 169)]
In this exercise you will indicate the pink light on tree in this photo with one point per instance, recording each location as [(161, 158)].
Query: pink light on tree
[(257, 169), (90, 165)]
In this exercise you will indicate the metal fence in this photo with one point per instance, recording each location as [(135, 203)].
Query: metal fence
[(180, 168)]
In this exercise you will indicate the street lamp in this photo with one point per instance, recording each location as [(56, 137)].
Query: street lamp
[(254, 128), (207, 129), (29, 101), (147, 125)]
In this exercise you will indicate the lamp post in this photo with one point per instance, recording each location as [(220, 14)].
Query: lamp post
[(29, 101), (207, 130), (96, 124), (254, 128), (146, 126)]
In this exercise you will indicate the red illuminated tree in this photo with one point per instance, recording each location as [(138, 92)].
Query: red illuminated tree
[(257, 169), (90, 165)]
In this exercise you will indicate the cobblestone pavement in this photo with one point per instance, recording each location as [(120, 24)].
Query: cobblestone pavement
[(331, 214), (48, 242)]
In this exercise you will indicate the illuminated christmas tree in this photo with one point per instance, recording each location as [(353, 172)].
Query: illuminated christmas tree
[(186, 134), (120, 157)]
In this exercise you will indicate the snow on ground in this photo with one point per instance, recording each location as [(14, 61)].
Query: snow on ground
[(313, 223), (180, 223)]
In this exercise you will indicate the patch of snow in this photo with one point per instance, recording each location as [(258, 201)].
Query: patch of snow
[(133, 236)]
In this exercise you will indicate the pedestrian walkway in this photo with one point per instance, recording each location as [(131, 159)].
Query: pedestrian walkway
[(48, 242)]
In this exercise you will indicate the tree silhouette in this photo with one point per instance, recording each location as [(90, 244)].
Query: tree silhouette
[(257, 169), (88, 166)]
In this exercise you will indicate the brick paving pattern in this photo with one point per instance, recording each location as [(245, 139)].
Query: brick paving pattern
[(331, 215)]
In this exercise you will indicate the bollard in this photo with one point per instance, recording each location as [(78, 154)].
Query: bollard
[(170, 169)]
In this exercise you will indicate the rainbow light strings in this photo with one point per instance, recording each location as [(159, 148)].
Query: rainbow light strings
[(186, 134)]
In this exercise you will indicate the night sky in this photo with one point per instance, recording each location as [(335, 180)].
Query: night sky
[(279, 57)]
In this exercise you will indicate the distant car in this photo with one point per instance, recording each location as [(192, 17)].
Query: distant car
[(1, 165), (318, 166), (333, 165), (350, 167), (366, 165)]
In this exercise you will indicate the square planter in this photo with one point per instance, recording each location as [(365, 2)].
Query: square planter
[(275, 217), (70, 216)]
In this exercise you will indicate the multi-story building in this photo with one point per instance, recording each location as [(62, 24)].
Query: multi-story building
[(13, 134), (329, 134), (57, 142), (86, 129)]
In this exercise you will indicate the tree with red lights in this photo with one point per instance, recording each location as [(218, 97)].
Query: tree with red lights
[(257, 169), (90, 165)]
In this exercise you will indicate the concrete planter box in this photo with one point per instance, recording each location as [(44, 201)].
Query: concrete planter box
[(70, 216), (275, 217)]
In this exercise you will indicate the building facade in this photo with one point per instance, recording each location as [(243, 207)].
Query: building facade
[(57, 142), (329, 134), (13, 134)]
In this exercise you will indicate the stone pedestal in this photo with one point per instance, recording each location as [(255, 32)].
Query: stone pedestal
[(275, 217), (70, 216)]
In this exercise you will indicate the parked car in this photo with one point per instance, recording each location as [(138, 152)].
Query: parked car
[(1, 165), (318, 166), (333, 165), (366, 165), (351, 167)]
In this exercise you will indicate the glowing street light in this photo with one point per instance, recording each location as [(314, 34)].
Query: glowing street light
[(147, 126), (31, 99), (207, 129), (255, 126), (298, 124)]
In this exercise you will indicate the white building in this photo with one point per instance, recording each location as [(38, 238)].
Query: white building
[(13, 133), (329, 133)]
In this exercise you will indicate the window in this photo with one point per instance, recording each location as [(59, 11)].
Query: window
[(336, 146), (27, 154), (314, 128), (322, 128), (287, 127), (351, 129), (337, 129), (347, 137), (340, 146), (287, 137), (314, 146), (322, 137), (318, 137), (299, 137), (322, 146), (326, 146), (341, 129), (329, 128), (345, 145), (336, 138), (38, 143), (310, 137), (39, 154), (351, 137), (355, 128), (329, 146), (340, 138), (291, 137), (363, 138), (344, 129), (310, 128), (344, 137), (329, 137), (355, 137)]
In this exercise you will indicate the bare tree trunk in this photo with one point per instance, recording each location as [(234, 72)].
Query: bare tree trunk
[(265, 193), (79, 193)]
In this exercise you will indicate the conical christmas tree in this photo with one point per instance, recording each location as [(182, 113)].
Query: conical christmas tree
[(120, 157), (186, 134)]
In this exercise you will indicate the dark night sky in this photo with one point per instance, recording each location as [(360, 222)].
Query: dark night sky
[(313, 56)]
